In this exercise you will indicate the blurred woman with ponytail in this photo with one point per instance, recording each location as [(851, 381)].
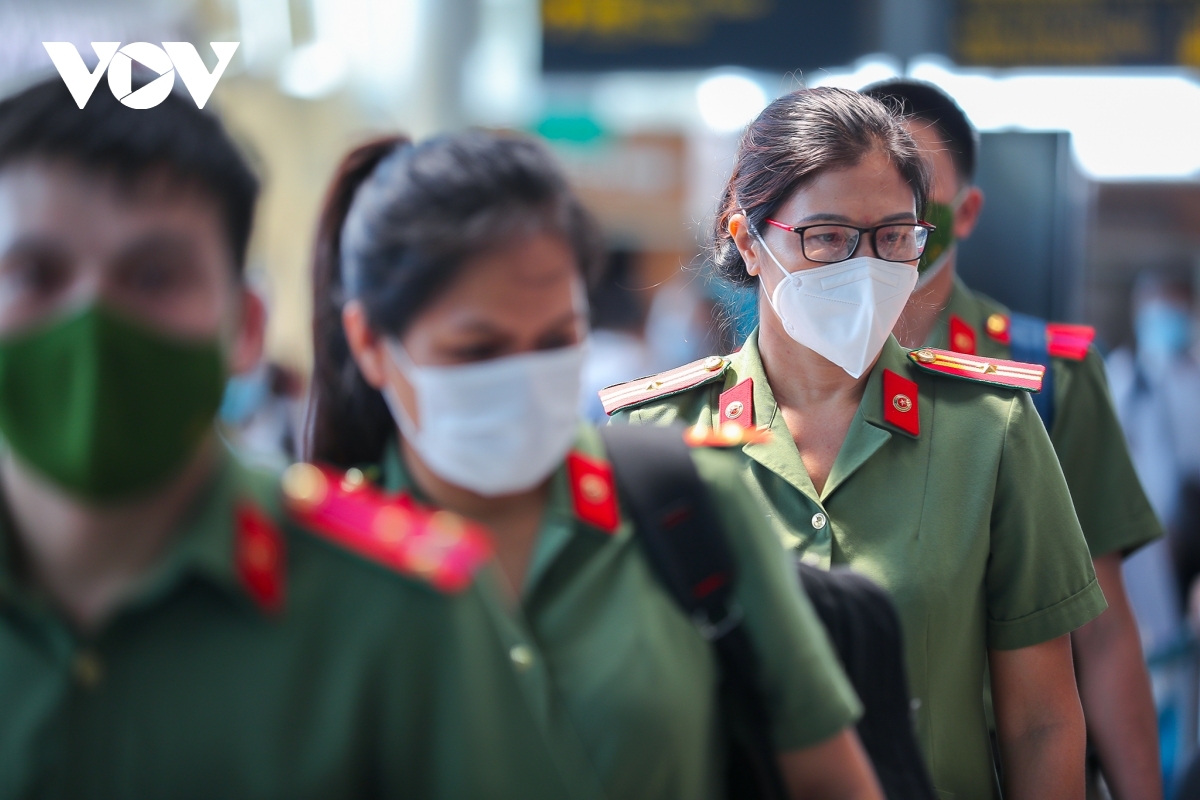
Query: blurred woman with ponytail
[(450, 324)]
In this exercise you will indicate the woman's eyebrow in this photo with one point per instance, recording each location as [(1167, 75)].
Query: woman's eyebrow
[(903, 216)]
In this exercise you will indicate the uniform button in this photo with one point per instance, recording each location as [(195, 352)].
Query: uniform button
[(521, 656), (713, 363), (818, 521), (87, 669)]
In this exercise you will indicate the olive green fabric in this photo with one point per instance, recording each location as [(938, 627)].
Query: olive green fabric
[(105, 407), (626, 668), (367, 683), (1113, 509), (968, 525)]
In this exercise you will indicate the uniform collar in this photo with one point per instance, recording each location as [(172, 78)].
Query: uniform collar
[(867, 433), (963, 304), (201, 547), (559, 523)]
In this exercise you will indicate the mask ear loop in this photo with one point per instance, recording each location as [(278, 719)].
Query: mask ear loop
[(770, 296), (404, 363)]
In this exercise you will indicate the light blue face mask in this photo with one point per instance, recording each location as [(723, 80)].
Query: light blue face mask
[(1163, 330), (244, 394)]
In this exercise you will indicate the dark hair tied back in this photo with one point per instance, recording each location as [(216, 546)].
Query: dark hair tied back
[(398, 224), (795, 139)]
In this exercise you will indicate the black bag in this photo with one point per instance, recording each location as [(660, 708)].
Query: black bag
[(685, 545), (687, 549), (865, 631)]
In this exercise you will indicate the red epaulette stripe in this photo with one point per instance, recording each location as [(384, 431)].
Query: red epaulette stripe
[(1011, 374), (438, 546), (1069, 341), (622, 395)]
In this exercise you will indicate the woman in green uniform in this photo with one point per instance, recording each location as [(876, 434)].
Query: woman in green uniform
[(451, 322), (934, 478)]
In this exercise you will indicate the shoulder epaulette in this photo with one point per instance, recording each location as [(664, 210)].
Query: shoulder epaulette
[(664, 384), (996, 371), (437, 546), (1063, 340), (1069, 341), (728, 435)]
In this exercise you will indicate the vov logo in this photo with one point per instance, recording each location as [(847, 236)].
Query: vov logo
[(172, 57)]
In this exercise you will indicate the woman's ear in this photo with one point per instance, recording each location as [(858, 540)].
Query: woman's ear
[(367, 347), (743, 240)]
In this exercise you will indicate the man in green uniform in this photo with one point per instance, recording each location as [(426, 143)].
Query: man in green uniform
[(167, 629), (1113, 510)]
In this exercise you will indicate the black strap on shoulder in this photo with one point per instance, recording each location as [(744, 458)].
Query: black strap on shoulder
[(1028, 342), (685, 544)]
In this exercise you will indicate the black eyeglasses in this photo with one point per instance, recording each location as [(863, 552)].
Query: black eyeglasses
[(829, 244)]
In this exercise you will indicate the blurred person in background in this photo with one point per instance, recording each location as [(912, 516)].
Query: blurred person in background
[(166, 630), (616, 351), (1075, 405), (450, 326), (944, 491), (262, 412)]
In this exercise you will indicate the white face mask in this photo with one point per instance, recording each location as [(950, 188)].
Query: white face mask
[(497, 427), (843, 311)]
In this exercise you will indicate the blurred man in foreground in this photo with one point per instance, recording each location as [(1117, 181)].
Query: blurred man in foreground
[(166, 630), (1075, 405)]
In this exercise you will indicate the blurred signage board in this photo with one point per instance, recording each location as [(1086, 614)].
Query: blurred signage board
[(634, 185), (1003, 33), (772, 35)]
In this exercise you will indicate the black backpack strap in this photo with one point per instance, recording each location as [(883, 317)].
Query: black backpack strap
[(1029, 343), (685, 545)]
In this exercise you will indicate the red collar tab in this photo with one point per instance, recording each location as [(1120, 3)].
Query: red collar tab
[(736, 405), (593, 491), (260, 557), (664, 384), (998, 328), (962, 336), (900, 399), (996, 371), (1069, 341), (437, 546)]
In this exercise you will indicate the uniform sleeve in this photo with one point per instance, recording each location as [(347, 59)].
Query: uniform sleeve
[(1040, 583), (808, 695), (1113, 509)]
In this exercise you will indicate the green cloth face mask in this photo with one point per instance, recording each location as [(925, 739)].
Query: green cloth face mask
[(941, 242), (104, 407)]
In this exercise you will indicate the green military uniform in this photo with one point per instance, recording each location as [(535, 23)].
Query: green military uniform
[(946, 492), (1113, 510), (622, 664), (261, 661)]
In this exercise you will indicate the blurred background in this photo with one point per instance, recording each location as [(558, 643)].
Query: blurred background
[(1090, 119)]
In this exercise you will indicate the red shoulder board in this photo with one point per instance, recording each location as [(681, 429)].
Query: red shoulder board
[(962, 336), (1069, 341), (664, 384), (900, 403), (998, 328), (1012, 374), (437, 546), (259, 556), (593, 491), (728, 435)]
